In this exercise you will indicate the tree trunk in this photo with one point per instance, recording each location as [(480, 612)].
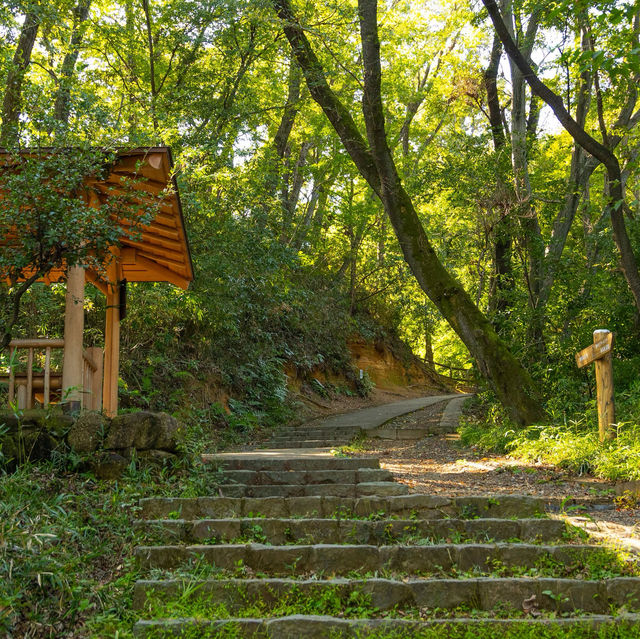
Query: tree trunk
[(591, 145), (281, 137), (502, 238), (13, 93), (531, 234), (62, 104), (511, 382)]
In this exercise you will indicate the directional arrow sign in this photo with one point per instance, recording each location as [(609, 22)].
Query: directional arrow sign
[(595, 351)]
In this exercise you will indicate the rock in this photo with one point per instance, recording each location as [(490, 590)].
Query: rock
[(88, 432), (9, 421), (9, 452), (110, 466), (35, 444), (143, 431), (153, 456)]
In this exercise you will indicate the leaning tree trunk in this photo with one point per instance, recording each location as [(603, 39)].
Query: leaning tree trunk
[(511, 382)]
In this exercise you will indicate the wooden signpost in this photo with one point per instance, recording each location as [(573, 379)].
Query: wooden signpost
[(600, 353)]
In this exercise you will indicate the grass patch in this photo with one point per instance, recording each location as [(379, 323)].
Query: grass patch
[(190, 602), (620, 630), (574, 447), (66, 548)]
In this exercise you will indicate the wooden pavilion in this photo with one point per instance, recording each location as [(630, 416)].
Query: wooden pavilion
[(159, 253)]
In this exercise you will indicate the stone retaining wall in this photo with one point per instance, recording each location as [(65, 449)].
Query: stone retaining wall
[(107, 444)]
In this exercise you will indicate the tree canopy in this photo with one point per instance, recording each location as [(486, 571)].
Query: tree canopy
[(354, 167)]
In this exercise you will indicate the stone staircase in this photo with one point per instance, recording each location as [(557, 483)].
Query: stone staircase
[(313, 437), (376, 421), (301, 543)]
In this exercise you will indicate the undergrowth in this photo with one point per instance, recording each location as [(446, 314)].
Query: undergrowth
[(445, 631), (66, 547), (569, 443)]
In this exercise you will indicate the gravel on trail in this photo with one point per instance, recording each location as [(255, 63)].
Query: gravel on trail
[(440, 464)]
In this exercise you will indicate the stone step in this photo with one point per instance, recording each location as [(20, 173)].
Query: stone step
[(316, 627), (416, 506), (402, 433), (309, 433), (289, 460), (308, 443), (486, 594), (340, 560), (333, 531), (363, 489), (291, 477), (303, 437)]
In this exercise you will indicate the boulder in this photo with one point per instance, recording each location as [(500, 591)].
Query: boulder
[(110, 466), (30, 444), (9, 421), (143, 431), (87, 433)]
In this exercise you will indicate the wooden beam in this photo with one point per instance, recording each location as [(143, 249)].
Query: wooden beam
[(37, 342), (112, 337), (140, 164), (47, 375), (29, 399), (161, 273), (157, 229), (94, 279), (72, 380), (163, 258)]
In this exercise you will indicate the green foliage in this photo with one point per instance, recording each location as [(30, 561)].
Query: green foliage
[(47, 222), (572, 444), (68, 546)]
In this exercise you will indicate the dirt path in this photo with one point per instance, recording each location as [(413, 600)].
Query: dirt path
[(441, 465)]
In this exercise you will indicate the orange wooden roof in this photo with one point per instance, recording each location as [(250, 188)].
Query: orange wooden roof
[(161, 252)]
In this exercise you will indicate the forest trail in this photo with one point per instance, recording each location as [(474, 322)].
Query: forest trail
[(341, 429), (320, 542)]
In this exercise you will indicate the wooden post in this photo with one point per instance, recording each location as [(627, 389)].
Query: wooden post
[(12, 374), (29, 399), (72, 364), (600, 353), (47, 375), (604, 388), (95, 354), (112, 338)]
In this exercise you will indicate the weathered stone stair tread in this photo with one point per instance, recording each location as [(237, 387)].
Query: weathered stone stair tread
[(337, 559), (296, 626), (418, 506), (328, 526), (313, 443), (560, 595), (362, 489), (262, 477), (318, 432), (289, 459), (329, 531)]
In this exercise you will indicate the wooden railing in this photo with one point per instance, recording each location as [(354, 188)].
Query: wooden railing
[(467, 375), (92, 378), (23, 384), (40, 382)]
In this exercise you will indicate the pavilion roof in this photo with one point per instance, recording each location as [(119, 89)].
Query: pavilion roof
[(160, 251)]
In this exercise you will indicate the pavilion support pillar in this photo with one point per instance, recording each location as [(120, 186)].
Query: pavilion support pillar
[(112, 338), (72, 366)]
